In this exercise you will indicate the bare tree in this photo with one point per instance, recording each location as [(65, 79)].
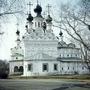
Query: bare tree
[(4, 69), (75, 21), (10, 7)]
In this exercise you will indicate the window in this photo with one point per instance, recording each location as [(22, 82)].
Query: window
[(45, 67), (62, 68), (71, 55), (16, 57), (30, 67), (55, 67), (68, 55), (38, 24), (82, 68), (73, 68), (76, 55), (21, 69), (60, 55), (35, 24), (68, 68), (16, 69)]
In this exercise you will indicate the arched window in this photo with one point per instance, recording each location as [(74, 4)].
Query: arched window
[(16, 69), (21, 69)]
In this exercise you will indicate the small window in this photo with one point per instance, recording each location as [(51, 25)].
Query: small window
[(68, 55), (82, 68), (76, 55), (55, 67), (16, 57), (73, 68), (68, 68), (60, 55), (62, 68), (45, 67), (71, 55), (35, 24), (30, 67), (38, 24)]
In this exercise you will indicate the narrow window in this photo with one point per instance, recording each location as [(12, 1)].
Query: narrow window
[(38, 24), (30, 67), (60, 55), (55, 67), (68, 68), (76, 55), (71, 55), (45, 67), (68, 55), (62, 68), (16, 57), (82, 68), (35, 24)]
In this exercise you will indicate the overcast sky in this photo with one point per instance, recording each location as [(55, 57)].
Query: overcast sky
[(7, 41)]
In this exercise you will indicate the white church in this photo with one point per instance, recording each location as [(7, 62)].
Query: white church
[(43, 54)]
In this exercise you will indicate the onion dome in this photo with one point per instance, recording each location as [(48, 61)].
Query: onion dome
[(38, 10), (18, 32), (30, 18), (60, 33), (49, 19)]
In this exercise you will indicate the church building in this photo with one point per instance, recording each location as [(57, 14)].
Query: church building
[(43, 54)]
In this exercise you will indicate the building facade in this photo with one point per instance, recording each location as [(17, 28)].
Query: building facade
[(43, 53)]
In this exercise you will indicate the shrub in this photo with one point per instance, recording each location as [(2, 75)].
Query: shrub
[(3, 69)]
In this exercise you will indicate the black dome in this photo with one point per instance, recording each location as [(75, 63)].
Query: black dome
[(38, 10), (30, 18), (18, 32), (60, 33), (49, 19)]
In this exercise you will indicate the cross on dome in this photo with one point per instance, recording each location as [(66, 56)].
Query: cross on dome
[(48, 6), (37, 1), (29, 4)]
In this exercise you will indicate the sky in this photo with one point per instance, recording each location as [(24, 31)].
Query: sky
[(7, 40)]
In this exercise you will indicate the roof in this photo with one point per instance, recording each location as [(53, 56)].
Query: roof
[(63, 44), (17, 54), (42, 56), (69, 59)]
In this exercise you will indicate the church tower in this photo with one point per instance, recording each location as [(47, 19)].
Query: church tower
[(40, 43), (17, 57)]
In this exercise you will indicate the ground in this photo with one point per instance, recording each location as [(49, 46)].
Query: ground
[(43, 84)]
